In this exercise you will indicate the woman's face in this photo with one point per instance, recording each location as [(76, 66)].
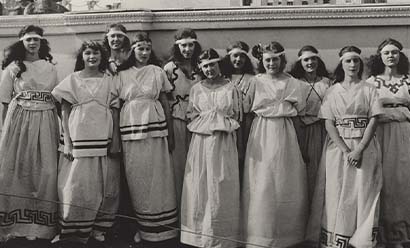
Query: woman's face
[(211, 70), (115, 40), (187, 49), (271, 63), (32, 44), (390, 55), (310, 64), (91, 57), (351, 66), (238, 60), (142, 52)]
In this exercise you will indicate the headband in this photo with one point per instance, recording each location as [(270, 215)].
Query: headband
[(112, 32), (237, 50), (392, 47), (308, 54), (184, 41), (209, 61), (273, 54), (350, 54), (28, 36), (139, 43)]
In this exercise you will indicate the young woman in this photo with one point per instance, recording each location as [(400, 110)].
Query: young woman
[(310, 69), (88, 177), (117, 43), (239, 69), (147, 137), (210, 196), (274, 191), (389, 69), (29, 141), (182, 74), (350, 179)]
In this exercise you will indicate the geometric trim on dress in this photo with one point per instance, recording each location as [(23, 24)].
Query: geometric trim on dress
[(330, 239), (353, 122), (393, 87), (34, 95), (28, 216), (144, 128), (152, 225)]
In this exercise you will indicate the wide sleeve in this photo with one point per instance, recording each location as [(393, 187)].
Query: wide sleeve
[(165, 84), (375, 104), (66, 90), (249, 96), (302, 94), (192, 112), (325, 111), (8, 77), (114, 94)]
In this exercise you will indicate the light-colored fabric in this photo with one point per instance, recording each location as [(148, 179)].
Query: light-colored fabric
[(28, 153), (314, 97), (142, 115), (88, 189), (181, 86), (346, 199), (274, 196), (151, 182), (210, 195), (393, 133), (214, 109), (90, 121)]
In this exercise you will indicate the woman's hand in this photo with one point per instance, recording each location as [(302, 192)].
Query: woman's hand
[(354, 158), (68, 151)]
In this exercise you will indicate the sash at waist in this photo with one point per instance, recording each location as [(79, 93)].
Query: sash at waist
[(352, 127)]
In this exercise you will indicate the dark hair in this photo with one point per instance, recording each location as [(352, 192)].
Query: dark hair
[(132, 61), (126, 44), (17, 51), (297, 70), (376, 65), (274, 46), (94, 45), (339, 73), (176, 55), (209, 54), (227, 64)]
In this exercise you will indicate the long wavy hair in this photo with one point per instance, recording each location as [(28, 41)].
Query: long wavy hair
[(339, 73), (376, 65), (275, 47), (117, 26), (94, 45), (297, 70), (16, 52), (176, 55), (132, 61), (227, 64)]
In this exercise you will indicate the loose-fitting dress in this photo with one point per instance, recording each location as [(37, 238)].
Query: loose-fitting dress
[(210, 195), (28, 152), (181, 85), (145, 149), (274, 196), (346, 198), (314, 132), (393, 133), (91, 180)]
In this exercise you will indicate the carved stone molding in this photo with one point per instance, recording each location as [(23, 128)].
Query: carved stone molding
[(268, 17)]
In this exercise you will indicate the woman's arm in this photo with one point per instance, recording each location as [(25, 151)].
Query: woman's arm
[(115, 146), (334, 135), (355, 156), (4, 112), (65, 114), (167, 110)]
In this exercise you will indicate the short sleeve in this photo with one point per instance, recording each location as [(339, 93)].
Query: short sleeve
[(325, 111), (191, 112), (375, 105), (166, 85), (8, 77), (65, 90), (114, 94), (249, 96), (302, 93)]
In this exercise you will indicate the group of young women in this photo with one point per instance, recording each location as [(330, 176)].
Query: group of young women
[(212, 154)]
